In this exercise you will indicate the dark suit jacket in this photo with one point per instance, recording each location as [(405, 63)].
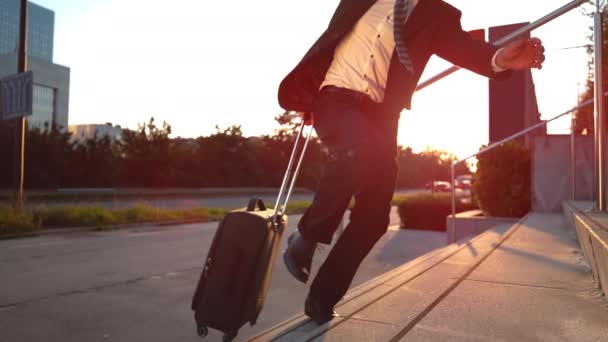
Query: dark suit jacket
[(433, 28)]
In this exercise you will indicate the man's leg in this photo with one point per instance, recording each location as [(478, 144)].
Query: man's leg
[(342, 125), (322, 217), (374, 170)]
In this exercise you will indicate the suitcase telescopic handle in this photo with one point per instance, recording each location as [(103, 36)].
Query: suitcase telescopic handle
[(291, 175)]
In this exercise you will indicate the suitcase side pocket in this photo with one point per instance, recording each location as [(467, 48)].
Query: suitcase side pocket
[(235, 270), (208, 265)]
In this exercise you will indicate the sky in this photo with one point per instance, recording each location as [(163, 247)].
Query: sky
[(199, 64)]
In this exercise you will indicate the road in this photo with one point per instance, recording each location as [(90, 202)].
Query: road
[(137, 284), (182, 202)]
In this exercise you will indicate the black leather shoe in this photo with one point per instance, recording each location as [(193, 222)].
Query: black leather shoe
[(298, 256), (317, 312)]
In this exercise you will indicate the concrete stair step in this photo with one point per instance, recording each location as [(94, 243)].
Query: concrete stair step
[(400, 296)]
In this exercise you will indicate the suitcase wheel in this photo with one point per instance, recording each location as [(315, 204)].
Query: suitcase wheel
[(202, 331), (229, 337)]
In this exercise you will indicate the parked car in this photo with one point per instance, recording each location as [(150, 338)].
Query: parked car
[(464, 182), (438, 186)]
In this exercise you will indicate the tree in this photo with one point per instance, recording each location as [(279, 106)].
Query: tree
[(146, 155), (227, 159), (417, 169), (7, 155), (94, 162), (47, 152), (584, 121)]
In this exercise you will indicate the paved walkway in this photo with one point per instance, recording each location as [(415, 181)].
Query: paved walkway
[(526, 282)]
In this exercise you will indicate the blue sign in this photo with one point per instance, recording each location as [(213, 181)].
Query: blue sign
[(16, 95)]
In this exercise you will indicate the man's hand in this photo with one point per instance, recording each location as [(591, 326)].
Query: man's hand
[(521, 54), (307, 117)]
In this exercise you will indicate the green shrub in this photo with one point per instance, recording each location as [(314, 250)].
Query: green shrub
[(13, 223), (101, 218), (297, 207), (85, 216), (502, 181), (74, 216), (142, 213), (293, 207), (428, 211), (215, 214)]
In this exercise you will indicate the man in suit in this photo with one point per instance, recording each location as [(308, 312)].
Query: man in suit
[(355, 80)]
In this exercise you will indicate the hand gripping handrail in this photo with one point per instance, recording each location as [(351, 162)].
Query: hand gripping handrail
[(509, 38), (503, 41)]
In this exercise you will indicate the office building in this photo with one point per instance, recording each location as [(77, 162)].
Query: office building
[(81, 133), (51, 81)]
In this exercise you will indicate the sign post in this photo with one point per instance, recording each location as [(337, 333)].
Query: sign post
[(22, 127)]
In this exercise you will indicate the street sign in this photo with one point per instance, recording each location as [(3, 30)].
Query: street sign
[(16, 95)]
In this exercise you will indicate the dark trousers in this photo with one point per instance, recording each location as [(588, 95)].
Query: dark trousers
[(362, 142)]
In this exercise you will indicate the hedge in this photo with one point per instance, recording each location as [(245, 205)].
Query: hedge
[(428, 211), (502, 182)]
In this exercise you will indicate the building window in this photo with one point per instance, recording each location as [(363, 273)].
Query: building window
[(43, 108)]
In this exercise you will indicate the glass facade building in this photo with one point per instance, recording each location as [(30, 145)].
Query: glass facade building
[(51, 81), (41, 28)]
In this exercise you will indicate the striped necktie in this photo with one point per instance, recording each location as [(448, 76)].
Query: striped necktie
[(400, 15)]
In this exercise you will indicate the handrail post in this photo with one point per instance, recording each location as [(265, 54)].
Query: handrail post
[(453, 223), (573, 157), (600, 133)]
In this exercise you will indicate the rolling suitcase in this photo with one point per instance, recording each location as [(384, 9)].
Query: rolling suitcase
[(238, 269)]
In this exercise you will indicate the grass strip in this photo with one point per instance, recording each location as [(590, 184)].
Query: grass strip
[(90, 216), (14, 224)]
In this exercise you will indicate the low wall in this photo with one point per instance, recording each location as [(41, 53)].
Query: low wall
[(471, 223), (551, 171), (592, 234)]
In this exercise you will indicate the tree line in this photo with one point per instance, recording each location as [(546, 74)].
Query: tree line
[(149, 157), (584, 119)]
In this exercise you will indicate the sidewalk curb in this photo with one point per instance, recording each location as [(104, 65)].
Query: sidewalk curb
[(51, 231), (84, 229)]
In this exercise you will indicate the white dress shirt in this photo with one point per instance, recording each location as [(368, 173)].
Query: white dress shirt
[(362, 59)]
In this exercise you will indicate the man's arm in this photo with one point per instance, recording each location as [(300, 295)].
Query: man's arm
[(455, 45), (452, 43)]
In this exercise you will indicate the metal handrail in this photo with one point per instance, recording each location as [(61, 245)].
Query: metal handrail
[(600, 122), (528, 130), (509, 38), (501, 142)]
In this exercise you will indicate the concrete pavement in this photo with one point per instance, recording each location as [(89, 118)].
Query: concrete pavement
[(136, 284), (526, 282)]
